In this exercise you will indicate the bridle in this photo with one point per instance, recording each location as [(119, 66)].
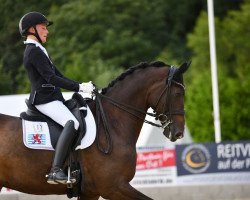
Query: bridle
[(164, 118)]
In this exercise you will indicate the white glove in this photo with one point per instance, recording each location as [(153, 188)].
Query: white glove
[(86, 87)]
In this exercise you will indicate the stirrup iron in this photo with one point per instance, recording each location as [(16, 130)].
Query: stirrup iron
[(69, 182)]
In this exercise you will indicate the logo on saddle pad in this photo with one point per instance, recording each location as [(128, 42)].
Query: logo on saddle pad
[(38, 137)]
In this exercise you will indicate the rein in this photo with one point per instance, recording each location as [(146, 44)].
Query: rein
[(100, 114), (125, 107), (162, 117)]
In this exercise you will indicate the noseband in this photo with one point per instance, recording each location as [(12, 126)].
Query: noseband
[(166, 118)]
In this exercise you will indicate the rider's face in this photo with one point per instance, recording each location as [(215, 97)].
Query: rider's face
[(42, 31)]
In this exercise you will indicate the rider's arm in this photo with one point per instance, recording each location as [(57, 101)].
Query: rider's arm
[(48, 72)]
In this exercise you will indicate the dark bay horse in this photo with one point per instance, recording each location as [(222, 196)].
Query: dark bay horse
[(108, 165)]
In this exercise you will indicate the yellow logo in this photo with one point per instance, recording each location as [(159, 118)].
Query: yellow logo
[(196, 158)]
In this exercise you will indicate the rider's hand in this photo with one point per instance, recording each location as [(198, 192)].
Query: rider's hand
[(86, 87)]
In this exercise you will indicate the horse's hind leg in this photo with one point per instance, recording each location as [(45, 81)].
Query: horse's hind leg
[(127, 192)]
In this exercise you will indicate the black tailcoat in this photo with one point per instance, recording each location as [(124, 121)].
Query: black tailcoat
[(45, 79)]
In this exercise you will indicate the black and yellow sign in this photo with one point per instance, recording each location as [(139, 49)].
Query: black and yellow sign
[(213, 158)]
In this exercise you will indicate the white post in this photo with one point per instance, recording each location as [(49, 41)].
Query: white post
[(214, 71)]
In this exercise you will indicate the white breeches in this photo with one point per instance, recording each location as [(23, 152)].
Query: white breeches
[(57, 111)]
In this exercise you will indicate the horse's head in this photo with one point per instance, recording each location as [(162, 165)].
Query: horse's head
[(161, 86), (169, 102)]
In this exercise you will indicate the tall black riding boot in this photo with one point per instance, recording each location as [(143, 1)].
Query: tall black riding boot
[(63, 146)]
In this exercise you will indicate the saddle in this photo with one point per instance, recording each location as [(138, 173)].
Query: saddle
[(77, 105)]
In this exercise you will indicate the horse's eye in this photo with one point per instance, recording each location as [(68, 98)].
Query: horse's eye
[(178, 94)]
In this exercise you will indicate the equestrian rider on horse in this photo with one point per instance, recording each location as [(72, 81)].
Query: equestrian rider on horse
[(46, 82)]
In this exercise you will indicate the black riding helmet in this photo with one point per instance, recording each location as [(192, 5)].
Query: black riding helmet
[(31, 19)]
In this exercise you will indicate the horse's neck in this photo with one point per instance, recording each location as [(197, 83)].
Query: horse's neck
[(136, 88), (134, 92)]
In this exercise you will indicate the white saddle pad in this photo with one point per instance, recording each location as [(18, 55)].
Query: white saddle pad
[(36, 134)]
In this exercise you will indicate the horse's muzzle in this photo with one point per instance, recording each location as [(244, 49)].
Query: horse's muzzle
[(173, 134)]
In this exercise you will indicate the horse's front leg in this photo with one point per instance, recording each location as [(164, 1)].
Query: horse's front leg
[(126, 192)]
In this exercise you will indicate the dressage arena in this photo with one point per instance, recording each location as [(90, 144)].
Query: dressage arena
[(205, 192)]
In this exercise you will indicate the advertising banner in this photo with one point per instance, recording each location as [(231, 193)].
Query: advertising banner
[(155, 167), (213, 163)]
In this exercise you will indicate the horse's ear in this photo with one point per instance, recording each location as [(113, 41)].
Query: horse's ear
[(183, 68)]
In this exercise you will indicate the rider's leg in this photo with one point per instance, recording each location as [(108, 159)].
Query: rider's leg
[(57, 111), (61, 152)]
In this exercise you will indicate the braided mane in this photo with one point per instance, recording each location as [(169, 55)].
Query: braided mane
[(129, 71)]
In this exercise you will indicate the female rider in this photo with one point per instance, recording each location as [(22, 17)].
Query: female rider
[(46, 82)]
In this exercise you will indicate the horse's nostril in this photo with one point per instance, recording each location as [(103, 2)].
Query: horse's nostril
[(179, 135)]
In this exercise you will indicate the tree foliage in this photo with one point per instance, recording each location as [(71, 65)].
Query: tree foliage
[(96, 40), (102, 36), (11, 47), (233, 69)]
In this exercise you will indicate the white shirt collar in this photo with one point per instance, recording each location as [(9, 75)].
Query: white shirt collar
[(31, 41)]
